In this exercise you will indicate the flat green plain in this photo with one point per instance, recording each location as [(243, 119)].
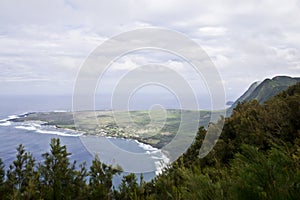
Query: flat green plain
[(154, 127)]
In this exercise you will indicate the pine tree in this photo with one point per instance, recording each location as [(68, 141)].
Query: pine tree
[(57, 173), (260, 175), (128, 188), (22, 176), (2, 173), (2, 179), (101, 179), (80, 187)]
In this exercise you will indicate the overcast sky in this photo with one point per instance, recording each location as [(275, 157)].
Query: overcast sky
[(43, 43)]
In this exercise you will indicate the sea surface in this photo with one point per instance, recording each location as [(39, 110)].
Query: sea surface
[(36, 138)]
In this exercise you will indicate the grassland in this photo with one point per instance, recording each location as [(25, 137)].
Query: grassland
[(154, 127)]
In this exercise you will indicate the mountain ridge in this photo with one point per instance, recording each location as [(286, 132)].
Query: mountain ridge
[(264, 90)]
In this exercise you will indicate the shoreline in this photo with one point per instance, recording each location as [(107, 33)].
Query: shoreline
[(41, 127), (139, 127)]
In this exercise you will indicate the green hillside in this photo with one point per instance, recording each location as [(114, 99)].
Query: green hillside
[(265, 90), (270, 87)]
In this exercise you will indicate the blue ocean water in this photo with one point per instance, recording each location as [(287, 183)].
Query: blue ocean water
[(36, 138)]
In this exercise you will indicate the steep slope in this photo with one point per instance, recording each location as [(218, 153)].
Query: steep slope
[(263, 91), (246, 94)]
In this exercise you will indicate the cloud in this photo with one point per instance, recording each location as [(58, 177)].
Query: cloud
[(212, 31), (44, 41)]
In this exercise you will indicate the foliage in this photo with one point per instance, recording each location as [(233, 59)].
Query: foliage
[(22, 176), (2, 179), (256, 157), (258, 175), (101, 179)]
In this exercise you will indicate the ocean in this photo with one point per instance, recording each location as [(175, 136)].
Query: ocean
[(131, 155)]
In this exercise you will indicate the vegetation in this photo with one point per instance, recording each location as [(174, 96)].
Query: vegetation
[(265, 90), (154, 127), (256, 157)]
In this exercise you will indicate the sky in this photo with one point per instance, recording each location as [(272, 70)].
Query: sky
[(44, 43)]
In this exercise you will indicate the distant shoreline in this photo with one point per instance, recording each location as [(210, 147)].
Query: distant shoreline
[(156, 130)]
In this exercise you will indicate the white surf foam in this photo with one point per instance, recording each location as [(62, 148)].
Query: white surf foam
[(29, 128), (5, 123), (161, 160), (37, 127), (146, 147), (9, 118), (58, 133), (161, 164), (60, 111)]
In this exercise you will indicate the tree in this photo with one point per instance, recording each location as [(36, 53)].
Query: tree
[(57, 173), (80, 187), (2, 179), (201, 186), (128, 188), (101, 175), (2, 173), (257, 175), (21, 176)]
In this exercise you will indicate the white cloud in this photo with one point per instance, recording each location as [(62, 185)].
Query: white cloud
[(49, 40), (212, 31)]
